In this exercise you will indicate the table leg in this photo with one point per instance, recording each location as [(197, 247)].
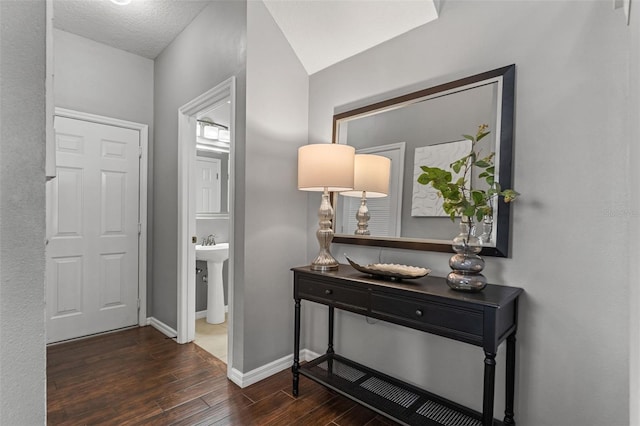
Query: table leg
[(489, 388), (296, 348), (330, 345), (510, 380)]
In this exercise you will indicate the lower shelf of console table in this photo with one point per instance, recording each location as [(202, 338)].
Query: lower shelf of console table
[(388, 396), (484, 319)]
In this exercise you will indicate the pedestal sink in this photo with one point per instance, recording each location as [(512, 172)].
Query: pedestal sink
[(215, 256)]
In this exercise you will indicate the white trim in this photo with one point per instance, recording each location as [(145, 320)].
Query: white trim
[(236, 377), (186, 229), (85, 116), (308, 355), (187, 114), (254, 376), (50, 137), (161, 327), (75, 339), (208, 216), (203, 314), (143, 129)]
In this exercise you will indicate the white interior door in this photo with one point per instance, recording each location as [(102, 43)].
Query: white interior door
[(208, 185), (93, 228)]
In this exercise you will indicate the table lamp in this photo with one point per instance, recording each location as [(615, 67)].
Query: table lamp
[(371, 179), (325, 167)]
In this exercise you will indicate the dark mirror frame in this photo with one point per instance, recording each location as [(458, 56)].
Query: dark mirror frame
[(503, 219)]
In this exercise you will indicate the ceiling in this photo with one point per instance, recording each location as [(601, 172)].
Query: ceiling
[(143, 27), (321, 32), (324, 32)]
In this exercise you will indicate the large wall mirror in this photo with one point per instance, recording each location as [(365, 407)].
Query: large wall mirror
[(427, 125), (212, 162)]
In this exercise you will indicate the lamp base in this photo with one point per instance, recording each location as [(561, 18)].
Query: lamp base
[(324, 262), (362, 216)]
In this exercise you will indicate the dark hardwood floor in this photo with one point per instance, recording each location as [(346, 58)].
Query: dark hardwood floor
[(140, 377)]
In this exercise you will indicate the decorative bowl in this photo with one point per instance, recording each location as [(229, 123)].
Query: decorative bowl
[(391, 271)]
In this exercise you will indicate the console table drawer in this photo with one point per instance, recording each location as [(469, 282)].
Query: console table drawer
[(428, 315), (350, 298)]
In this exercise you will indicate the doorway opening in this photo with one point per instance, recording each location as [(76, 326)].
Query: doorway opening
[(206, 129), (212, 228)]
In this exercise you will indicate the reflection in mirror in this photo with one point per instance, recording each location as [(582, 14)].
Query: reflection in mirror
[(384, 212), (212, 162), (426, 128), (370, 180)]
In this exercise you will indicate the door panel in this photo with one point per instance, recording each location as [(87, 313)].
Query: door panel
[(208, 185), (67, 286), (92, 220)]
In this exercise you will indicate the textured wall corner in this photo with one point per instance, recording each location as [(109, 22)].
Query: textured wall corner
[(22, 213)]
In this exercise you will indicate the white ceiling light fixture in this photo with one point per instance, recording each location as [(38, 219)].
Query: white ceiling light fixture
[(121, 2), (210, 132)]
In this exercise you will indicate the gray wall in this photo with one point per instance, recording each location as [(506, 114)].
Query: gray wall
[(632, 212), (22, 213), (99, 79), (268, 239), (274, 214), (210, 50), (570, 233)]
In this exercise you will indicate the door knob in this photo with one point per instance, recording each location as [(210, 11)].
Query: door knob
[(194, 240)]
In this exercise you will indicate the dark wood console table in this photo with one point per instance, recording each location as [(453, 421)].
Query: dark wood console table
[(482, 319)]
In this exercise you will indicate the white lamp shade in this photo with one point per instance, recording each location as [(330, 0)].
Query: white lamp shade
[(371, 174), (325, 165)]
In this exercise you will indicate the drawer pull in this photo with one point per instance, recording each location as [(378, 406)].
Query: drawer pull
[(419, 312), (328, 292)]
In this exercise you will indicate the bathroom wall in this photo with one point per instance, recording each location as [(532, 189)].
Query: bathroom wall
[(201, 286), (576, 126), (218, 226), (22, 213)]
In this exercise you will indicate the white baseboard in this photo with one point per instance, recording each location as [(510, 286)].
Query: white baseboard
[(162, 327), (254, 376), (203, 314), (308, 355)]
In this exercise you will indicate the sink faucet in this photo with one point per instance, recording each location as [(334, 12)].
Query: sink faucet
[(209, 240)]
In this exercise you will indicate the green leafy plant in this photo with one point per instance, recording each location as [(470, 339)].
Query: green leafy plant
[(460, 198)]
